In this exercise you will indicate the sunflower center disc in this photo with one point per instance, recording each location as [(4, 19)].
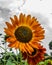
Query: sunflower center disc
[(23, 34)]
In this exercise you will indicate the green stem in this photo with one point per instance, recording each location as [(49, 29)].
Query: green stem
[(13, 59), (3, 48), (5, 52)]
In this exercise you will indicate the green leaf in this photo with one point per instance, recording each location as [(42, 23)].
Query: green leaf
[(13, 64), (50, 44), (6, 36), (10, 49), (40, 63), (26, 62), (45, 63), (46, 54), (9, 63), (3, 60)]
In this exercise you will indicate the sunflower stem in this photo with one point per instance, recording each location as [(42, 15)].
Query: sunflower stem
[(13, 59)]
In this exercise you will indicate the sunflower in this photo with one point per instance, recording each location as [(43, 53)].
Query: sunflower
[(36, 56), (24, 33)]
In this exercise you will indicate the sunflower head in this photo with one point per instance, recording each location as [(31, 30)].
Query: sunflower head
[(36, 56), (25, 33)]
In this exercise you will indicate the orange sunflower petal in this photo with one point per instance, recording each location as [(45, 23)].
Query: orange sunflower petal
[(39, 38), (30, 48), (17, 45), (20, 47), (21, 18), (39, 28), (11, 39), (24, 48), (41, 32), (32, 20), (8, 25), (8, 32), (28, 19), (12, 45), (16, 20), (35, 23), (33, 45), (13, 22), (27, 49), (24, 20)]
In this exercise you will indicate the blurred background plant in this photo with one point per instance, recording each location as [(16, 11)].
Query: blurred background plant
[(9, 58), (50, 45), (45, 62)]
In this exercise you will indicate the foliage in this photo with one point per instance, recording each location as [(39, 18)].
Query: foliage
[(47, 61), (50, 45), (10, 58)]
